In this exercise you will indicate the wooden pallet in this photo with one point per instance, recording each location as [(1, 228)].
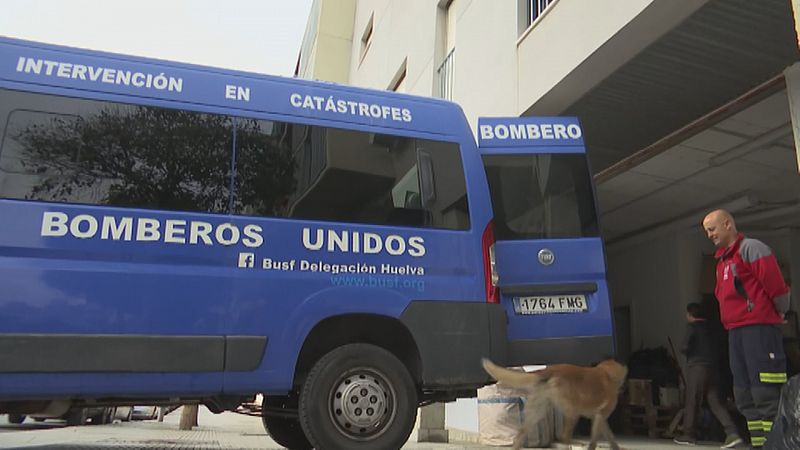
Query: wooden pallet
[(652, 420)]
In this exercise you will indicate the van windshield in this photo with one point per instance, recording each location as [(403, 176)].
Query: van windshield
[(541, 196)]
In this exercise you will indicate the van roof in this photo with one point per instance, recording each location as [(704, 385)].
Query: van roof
[(68, 70)]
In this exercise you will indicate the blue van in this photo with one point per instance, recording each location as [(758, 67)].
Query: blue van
[(179, 234)]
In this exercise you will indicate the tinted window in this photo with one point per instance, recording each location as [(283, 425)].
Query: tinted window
[(82, 151), (63, 149), (302, 171), (265, 167), (541, 196)]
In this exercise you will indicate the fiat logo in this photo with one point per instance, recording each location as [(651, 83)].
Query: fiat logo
[(546, 257)]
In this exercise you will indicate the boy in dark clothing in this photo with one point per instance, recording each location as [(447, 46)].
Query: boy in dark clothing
[(701, 346)]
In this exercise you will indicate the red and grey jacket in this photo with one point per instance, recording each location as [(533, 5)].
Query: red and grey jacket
[(750, 287)]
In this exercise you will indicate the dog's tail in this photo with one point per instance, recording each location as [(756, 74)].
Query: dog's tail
[(533, 384), (511, 378)]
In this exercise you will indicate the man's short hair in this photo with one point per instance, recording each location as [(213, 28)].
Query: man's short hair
[(696, 310)]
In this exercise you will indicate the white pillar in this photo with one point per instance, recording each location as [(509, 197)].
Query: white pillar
[(796, 10), (792, 75), (431, 424), (794, 268)]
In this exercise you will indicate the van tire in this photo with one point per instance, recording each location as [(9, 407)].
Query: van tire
[(286, 432), (343, 387), (16, 418)]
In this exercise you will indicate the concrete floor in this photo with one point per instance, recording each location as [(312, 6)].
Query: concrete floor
[(222, 431)]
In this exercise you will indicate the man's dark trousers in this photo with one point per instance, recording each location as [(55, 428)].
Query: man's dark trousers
[(758, 364), (702, 382)]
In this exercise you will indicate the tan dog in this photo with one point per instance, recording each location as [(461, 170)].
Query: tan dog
[(574, 391)]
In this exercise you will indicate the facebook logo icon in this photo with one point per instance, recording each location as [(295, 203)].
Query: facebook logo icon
[(247, 260)]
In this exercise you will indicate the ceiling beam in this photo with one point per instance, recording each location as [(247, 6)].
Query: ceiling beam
[(751, 97)]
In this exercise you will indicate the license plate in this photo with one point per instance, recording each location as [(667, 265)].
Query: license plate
[(550, 304)]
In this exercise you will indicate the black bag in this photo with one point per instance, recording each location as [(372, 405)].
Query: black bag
[(785, 434)]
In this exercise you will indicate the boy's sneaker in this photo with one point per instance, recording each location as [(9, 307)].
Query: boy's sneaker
[(732, 441), (684, 440)]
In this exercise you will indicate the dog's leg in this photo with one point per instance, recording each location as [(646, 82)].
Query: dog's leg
[(532, 416), (597, 431), (568, 428), (520, 438), (600, 429), (610, 435)]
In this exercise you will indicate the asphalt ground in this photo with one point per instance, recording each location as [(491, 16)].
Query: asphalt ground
[(215, 431)]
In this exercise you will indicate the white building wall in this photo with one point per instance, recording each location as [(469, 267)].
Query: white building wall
[(327, 43), (647, 277), (486, 59), (402, 31), (308, 49), (414, 31)]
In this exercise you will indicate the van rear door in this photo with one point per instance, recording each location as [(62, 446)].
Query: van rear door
[(549, 256)]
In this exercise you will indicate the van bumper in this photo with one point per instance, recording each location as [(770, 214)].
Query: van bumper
[(582, 350), (453, 336)]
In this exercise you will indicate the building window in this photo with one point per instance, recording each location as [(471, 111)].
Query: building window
[(536, 8), (398, 83), (445, 75), (366, 36), (446, 70)]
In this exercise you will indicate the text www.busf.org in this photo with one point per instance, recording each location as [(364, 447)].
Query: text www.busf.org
[(381, 282)]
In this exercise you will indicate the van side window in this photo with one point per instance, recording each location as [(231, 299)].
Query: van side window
[(444, 188), (340, 175), (61, 149)]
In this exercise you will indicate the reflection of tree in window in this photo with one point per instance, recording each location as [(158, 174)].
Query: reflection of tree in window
[(150, 158), (143, 157), (265, 169), (82, 151)]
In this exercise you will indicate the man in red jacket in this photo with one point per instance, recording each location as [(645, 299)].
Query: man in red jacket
[(752, 300)]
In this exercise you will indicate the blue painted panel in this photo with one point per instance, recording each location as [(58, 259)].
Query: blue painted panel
[(577, 261)]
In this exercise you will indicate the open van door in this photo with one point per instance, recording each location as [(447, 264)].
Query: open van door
[(549, 256)]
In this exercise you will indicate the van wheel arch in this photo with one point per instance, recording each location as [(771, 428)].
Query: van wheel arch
[(382, 331)]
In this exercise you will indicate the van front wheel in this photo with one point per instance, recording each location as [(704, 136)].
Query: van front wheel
[(286, 432), (358, 396)]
